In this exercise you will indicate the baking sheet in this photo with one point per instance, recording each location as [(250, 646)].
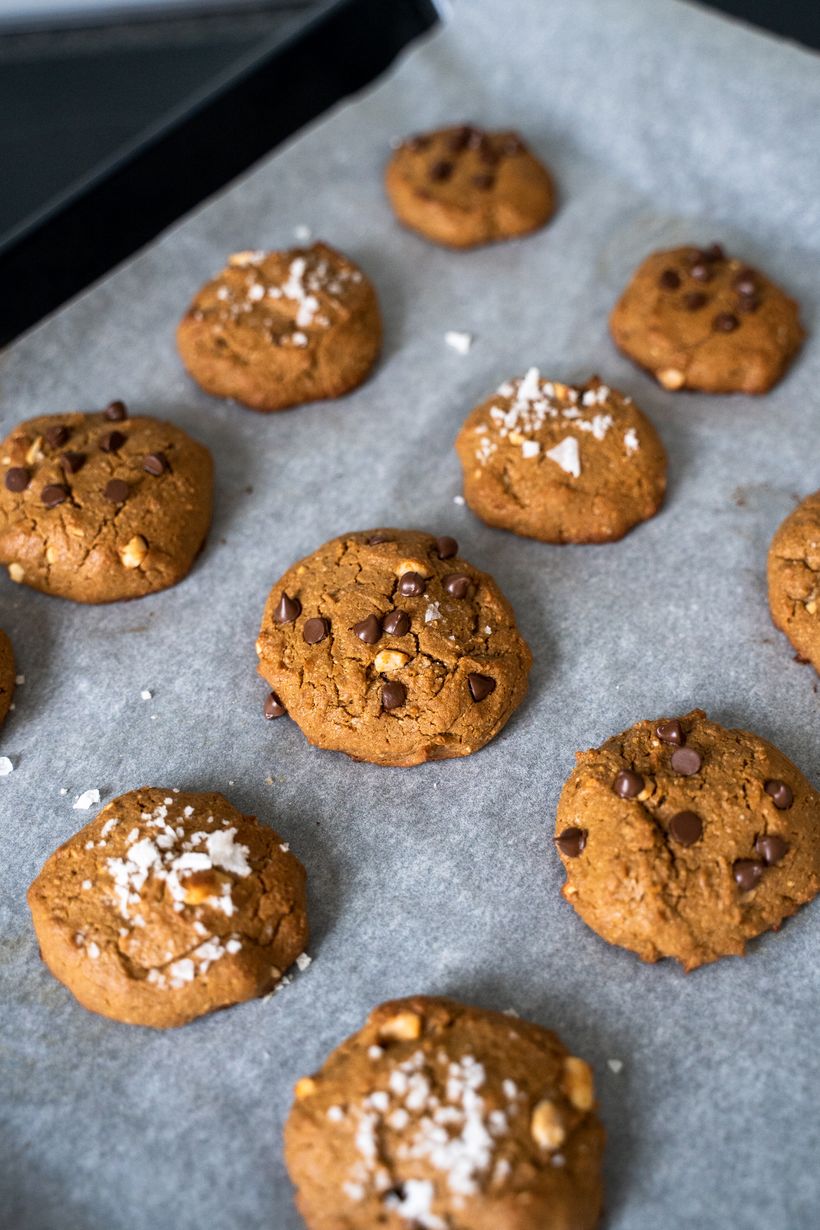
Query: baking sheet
[(663, 124)]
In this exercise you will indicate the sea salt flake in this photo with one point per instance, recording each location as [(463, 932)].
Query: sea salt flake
[(458, 499), (460, 342), (87, 799), (303, 961), (567, 456), (432, 613), (146, 695), (530, 449), (631, 441), (92, 950), (615, 1065)]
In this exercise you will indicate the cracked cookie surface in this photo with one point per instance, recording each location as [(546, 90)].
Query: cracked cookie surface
[(275, 329), (102, 507), (435, 1115), (385, 645), (683, 839), (794, 579), (462, 186), (697, 319), (7, 675), (561, 463), (169, 905)]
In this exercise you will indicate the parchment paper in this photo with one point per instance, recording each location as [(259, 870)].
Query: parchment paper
[(663, 124)]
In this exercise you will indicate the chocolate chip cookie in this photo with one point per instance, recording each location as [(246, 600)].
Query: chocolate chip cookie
[(101, 507), (462, 186), (439, 1115), (7, 675), (699, 319), (794, 579), (275, 329), (683, 839), (561, 463), (385, 645), (167, 906)]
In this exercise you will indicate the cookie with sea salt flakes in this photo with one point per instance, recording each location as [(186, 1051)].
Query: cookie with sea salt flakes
[(7, 675), (683, 839), (387, 646), (794, 579), (275, 329), (436, 1114), (461, 186), (561, 463), (102, 507), (169, 905), (696, 318)]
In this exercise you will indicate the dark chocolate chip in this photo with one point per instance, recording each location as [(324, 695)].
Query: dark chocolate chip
[(446, 547), (713, 253), (484, 181), (440, 171), (694, 300), (315, 630), (394, 694), (375, 539), (571, 842), (480, 686), (701, 272), (745, 283), (54, 494), (671, 732), (72, 462), (771, 848), (457, 585), (669, 279), (155, 463), (112, 441), (627, 784), (116, 491), (56, 436), (747, 304), (780, 794), (286, 610), (686, 761), (412, 584), (747, 873), (725, 322), (418, 143), (116, 411), (686, 828), (368, 630), (459, 139), (273, 707), (397, 623), (17, 478)]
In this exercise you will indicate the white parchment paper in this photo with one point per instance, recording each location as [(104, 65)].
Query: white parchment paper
[(663, 124)]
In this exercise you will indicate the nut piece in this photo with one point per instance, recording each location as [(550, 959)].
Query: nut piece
[(671, 378), (412, 565), (134, 552), (390, 660), (246, 257), (403, 1027), (34, 453), (16, 572), (578, 1083), (811, 606), (201, 886), (546, 1127), (304, 1087), (52, 555)]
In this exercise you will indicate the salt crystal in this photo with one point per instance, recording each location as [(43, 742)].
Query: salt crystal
[(146, 695), (5, 766), (303, 960), (87, 799), (615, 1065), (460, 342), (566, 455)]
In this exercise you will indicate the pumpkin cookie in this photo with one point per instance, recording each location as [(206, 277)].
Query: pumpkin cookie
[(462, 186), (275, 329), (7, 675), (436, 1114), (794, 579), (683, 839), (561, 463), (698, 319), (388, 647), (167, 906), (100, 507)]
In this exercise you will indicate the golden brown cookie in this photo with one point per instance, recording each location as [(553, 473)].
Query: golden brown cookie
[(438, 1115), (683, 839), (169, 905), (100, 507), (386, 646), (275, 329), (7, 675), (794, 579), (561, 463), (697, 319), (461, 186)]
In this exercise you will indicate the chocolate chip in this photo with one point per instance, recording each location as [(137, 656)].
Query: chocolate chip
[(484, 181), (686, 828), (56, 436), (417, 143), (17, 478), (694, 300), (412, 584), (686, 761), (394, 694), (54, 494), (745, 283), (397, 623), (315, 630), (780, 794), (116, 411), (571, 842), (748, 304), (486, 153), (72, 462), (375, 539), (480, 686), (457, 585), (669, 279), (725, 322), (273, 707), (747, 873), (440, 171), (116, 491), (771, 848), (112, 441), (368, 630), (627, 784), (459, 139), (446, 547), (701, 272), (713, 253), (155, 463), (286, 610), (671, 732)]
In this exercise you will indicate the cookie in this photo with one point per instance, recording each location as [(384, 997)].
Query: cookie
[(101, 507), (683, 839), (439, 1115), (561, 463), (794, 579), (8, 675), (275, 329), (697, 319), (385, 645), (462, 186), (167, 906)]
